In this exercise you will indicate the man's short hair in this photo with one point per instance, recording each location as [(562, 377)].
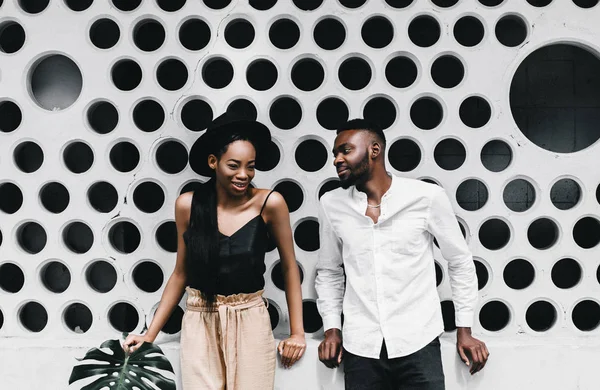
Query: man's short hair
[(363, 124)]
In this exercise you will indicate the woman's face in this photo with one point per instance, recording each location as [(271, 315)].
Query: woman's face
[(235, 169)]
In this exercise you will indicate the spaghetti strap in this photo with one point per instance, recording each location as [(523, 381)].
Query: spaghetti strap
[(265, 203)]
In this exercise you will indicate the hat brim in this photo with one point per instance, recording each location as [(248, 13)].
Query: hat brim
[(205, 145)]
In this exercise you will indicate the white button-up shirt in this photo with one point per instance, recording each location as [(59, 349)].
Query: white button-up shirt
[(390, 287)]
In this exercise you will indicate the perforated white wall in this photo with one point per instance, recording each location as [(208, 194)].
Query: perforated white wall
[(496, 101)]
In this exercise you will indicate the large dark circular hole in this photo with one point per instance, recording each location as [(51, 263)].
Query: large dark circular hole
[(494, 234), (12, 37), (262, 5), (519, 274), (472, 195), (381, 111), (447, 71), (329, 34), (494, 316), (101, 276), (148, 115), (12, 278), (55, 197), (354, 73), (307, 5), (426, 113), (173, 324), (306, 235), (149, 35), (307, 74), (217, 73), (32, 237), (124, 156), (191, 187), (166, 236), (103, 117), (468, 31), (55, 82), (126, 5), (585, 3), (103, 196), (196, 115), (586, 232), (272, 309), (194, 34), (171, 157), (511, 30), (475, 112), (11, 198), (78, 317), (586, 315), (33, 316), (399, 3), (10, 116), (483, 275), (243, 107), (33, 6), (444, 3), (216, 4), (78, 237), (448, 316), (149, 197), (261, 75), (292, 193), (540, 3), (404, 155), (401, 72), (148, 276), (28, 156), (332, 112), (519, 195), (284, 34), (239, 33), (565, 194), (124, 237), (123, 317), (126, 75), (496, 155), (352, 4), (311, 155), (377, 32), (285, 113), (312, 320), (424, 31), (269, 159), (450, 154), (78, 157), (171, 5), (541, 316), (104, 33), (56, 277), (277, 275), (542, 233), (329, 185), (172, 74), (491, 3), (566, 273)]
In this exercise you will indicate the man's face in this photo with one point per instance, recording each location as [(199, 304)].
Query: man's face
[(351, 157)]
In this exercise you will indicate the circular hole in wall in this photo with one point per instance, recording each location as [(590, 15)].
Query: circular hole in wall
[(239, 33), (404, 155), (565, 194), (148, 276), (306, 235), (542, 233), (307, 74), (194, 34), (496, 156), (261, 75), (55, 197), (494, 316), (511, 30), (449, 154), (28, 156), (444, 3), (377, 32), (148, 197), (311, 155), (217, 73), (380, 111), (31, 237), (483, 275), (447, 71), (171, 5), (541, 3), (311, 317), (78, 237), (468, 31), (273, 313), (124, 156), (262, 5), (329, 33), (124, 237), (126, 5), (494, 234), (173, 324), (103, 196), (448, 316), (401, 72), (243, 107), (126, 74), (104, 33), (472, 194), (285, 113), (586, 232), (332, 112), (399, 4), (284, 34), (586, 315), (566, 273), (12, 278), (426, 113), (78, 317), (78, 157), (102, 117), (541, 316), (166, 236), (12, 37), (424, 31), (10, 116), (519, 274), (196, 115), (33, 6), (33, 316), (101, 276), (172, 74), (149, 35), (354, 73), (585, 3), (123, 317), (519, 195), (475, 112), (329, 185), (11, 198), (277, 275), (216, 4), (55, 82), (269, 159), (171, 157), (292, 193), (148, 115)]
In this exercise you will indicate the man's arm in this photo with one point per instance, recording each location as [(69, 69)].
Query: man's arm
[(330, 286), (443, 225)]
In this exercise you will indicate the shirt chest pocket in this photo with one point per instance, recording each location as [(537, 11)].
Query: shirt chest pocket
[(407, 236)]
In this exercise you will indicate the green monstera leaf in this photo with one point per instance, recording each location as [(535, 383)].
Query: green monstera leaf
[(122, 371)]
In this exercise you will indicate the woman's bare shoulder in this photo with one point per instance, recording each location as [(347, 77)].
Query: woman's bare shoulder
[(183, 205)]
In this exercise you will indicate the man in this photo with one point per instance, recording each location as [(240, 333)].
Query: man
[(378, 230)]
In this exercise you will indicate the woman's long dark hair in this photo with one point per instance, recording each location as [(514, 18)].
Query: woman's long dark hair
[(202, 258)]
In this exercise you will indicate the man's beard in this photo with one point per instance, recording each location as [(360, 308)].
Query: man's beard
[(357, 173)]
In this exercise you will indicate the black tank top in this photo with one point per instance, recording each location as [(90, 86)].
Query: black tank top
[(241, 257)]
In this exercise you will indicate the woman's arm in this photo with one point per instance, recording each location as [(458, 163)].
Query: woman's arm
[(176, 284)]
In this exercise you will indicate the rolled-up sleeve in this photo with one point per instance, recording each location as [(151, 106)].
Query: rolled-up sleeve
[(443, 225), (330, 282)]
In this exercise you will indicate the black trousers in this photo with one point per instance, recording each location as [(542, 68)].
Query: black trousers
[(421, 370)]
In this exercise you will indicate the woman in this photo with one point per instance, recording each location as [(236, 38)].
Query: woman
[(223, 229)]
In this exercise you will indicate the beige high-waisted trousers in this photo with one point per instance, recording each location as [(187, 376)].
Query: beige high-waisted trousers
[(229, 345)]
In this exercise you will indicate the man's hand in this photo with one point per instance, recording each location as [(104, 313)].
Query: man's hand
[(330, 349), (469, 346)]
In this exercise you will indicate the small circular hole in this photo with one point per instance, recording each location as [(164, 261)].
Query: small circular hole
[(79, 5), (306, 235), (285, 113), (444, 3), (55, 82), (78, 157), (307, 5), (472, 195), (426, 113), (217, 73), (269, 159), (166, 236), (12, 37), (243, 107), (447, 71), (171, 5), (401, 72), (32, 237), (123, 317), (171, 157), (104, 33), (307, 74), (519, 274), (33, 317), (449, 154), (519, 195), (191, 187), (148, 115), (586, 232), (55, 277), (399, 4), (585, 3), (78, 318), (511, 31), (124, 156), (311, 318), (103, 117), (124, 237), (33, 6), (352, 4), (329, 185), (126, 75), (448, 316), (78, 237), (284, 34), (28, 156), (404, 155), (239, 33), (149, 197), (424, 31), (496, 156), (565, 194), (469, 31), (194, 34), (541, 316), (355, 73), (494, 316), (277, 275), (491, 3), (542, 233), (196, 115), (262, 5), (148, 276), (494, 234), (332, 112), (216, 4), (541, 3), (483, 275), (10, 116), (292, 193), (126, 5), (311, 155), (566, 273), (103, 196), (377, 32), (172, 74), (329, 34), (55, 197), (261, 75), (101, 276), (475, 112), (149, 35), (12, 278), (586, 315), (11, 198), (381, 111)]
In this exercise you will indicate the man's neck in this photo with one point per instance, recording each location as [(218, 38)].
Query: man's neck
[(377, 185)]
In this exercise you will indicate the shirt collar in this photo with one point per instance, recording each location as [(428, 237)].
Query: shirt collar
[(361, 196)]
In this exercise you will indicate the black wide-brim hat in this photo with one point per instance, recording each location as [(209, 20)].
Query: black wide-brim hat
[(217, 134)]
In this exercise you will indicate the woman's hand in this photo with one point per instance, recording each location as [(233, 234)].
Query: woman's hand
[(291, 350), (134, 341)]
